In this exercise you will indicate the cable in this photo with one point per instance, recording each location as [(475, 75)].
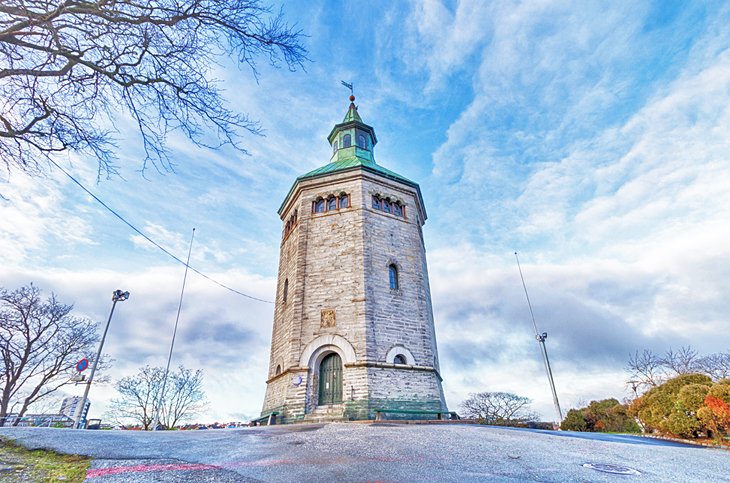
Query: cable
[(152, 241)]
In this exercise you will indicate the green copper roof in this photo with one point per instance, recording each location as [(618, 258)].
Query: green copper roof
[(352, 162), (352, 114)]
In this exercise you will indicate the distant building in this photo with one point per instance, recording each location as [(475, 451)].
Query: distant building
[(71, 406), (353, 333)]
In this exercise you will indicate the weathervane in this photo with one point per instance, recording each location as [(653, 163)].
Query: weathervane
[(349, 86)]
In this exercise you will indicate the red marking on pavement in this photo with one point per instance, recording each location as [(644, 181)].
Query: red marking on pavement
[(99, 472), (95, 473)]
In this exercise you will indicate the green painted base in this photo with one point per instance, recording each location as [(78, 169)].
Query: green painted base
[(365, 409)]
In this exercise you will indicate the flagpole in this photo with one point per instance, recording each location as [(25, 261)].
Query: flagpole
[(161, 399)]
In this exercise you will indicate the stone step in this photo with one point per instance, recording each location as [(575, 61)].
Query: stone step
[(326, 413)]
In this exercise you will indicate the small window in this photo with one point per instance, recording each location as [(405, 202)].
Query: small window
[(400, 359), (393, 273), (278, 368), (344, 201), (346, 141), (319, 206), (376, 202), (361, 141), (332, 204), (397, 210), (286, 290), (334, 147), (386, 206)]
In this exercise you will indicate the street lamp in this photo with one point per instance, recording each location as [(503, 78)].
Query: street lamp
[(117, 296)]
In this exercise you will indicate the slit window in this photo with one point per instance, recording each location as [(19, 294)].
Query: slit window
[(286, 290), (393, 275)]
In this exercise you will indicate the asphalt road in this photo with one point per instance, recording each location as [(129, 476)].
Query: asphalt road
[(378, 452)]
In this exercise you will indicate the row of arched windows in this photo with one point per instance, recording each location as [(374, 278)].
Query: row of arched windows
[(291, 223), (332, 203), (388, 206)]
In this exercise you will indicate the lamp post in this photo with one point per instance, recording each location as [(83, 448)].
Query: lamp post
[(541, 340), (117, 296)]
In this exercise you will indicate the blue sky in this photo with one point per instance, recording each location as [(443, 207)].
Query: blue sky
[(590, 137)]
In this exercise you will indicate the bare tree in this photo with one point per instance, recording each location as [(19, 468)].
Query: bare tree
[(67, 68), (717, 366), (647, 370), (40, 343), (140, 396), (684, 361), (497, 407)]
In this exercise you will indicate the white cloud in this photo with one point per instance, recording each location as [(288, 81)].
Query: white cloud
[(223, 333)]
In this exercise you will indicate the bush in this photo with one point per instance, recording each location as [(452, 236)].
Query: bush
[(689, 406), (607, 415)]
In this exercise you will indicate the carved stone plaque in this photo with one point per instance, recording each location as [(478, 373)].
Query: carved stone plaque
[(328, 318)]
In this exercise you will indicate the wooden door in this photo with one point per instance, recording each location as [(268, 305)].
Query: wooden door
[(330, 380)]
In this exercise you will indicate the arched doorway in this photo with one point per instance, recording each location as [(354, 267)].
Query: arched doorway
[(330, 380)]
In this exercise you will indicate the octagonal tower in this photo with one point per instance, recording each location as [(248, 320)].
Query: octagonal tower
[(353, 324)]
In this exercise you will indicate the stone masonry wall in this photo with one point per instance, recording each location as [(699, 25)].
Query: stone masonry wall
[(338, 262)]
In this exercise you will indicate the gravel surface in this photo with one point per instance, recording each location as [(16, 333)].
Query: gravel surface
[(377, 452)]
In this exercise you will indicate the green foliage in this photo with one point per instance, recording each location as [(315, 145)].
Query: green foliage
[(607, 415), (689, 406), (574, 421), (655, 407)]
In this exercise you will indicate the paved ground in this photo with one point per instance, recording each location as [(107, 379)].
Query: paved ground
[(377, 452)]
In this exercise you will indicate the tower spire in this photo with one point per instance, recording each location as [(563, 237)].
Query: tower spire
[(352, 139)]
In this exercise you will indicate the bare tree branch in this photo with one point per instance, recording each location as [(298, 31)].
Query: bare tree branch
[(69, 67), (40, 342), (139, 397), (497, 408)]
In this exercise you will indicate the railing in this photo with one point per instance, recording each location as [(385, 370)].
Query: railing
[(36, 421)]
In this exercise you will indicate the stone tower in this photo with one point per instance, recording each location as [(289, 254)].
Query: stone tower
[(353, 324)]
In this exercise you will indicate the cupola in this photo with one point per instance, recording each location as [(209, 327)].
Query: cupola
[(352, 138)]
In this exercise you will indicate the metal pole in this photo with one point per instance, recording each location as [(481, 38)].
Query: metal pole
[(117, 296), (172, 343), (541, 339)]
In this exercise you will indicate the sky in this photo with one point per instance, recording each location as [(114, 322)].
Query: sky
[(593, 138)]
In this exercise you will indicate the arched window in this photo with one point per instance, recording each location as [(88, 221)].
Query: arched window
[(344, 201), (334, 147), (278, 369), (393, 274), (400, 359), (376, 202), (397, 210), (386, 206), (346, 141), (361, 141), (331, 203), (319, 206), (286, 290)]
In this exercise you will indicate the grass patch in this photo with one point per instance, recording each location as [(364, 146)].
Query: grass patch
[(18, 464)]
